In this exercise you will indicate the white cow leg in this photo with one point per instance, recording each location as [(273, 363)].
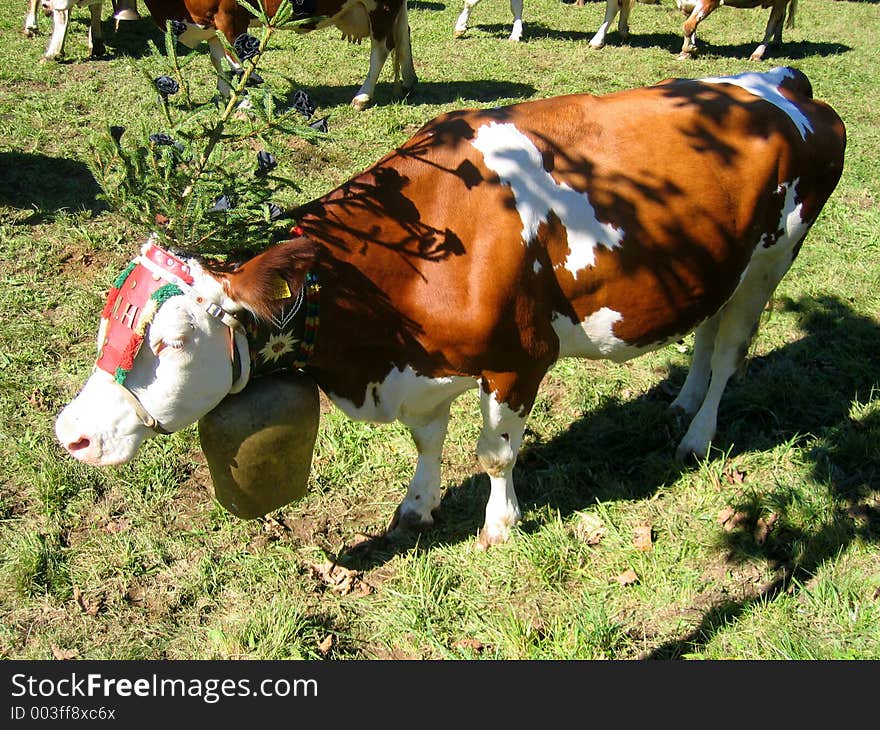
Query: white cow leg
[(737, 323), (497, 451), (55, 49), (461, 25), (218, 53), (378, 56), (423, 494), (96, 35), (516, 7), (611, 10), (30, 19), (693, 392)]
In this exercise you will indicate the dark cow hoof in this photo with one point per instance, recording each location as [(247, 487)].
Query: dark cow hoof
[(98, 50)]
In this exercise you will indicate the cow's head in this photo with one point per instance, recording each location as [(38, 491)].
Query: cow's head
[(169, 350)]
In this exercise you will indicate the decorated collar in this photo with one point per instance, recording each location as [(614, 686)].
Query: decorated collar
[(287, 340)]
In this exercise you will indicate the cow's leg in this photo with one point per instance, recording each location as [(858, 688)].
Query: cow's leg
[(30, 19), (773, 31), (461, 25), (403, 57), (737, 324), (423, 494), (218, 53), (611, 9), (497, 450), (96, 34), (55, 49), (516, 7), (378, 56), (626, 7), (702, 10), (693, 392)]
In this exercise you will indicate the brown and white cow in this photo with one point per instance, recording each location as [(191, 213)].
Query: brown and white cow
[(482, 250), (60, 15), (696, 11), (385, 23)]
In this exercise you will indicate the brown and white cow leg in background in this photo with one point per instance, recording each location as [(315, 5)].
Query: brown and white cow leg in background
[(31, 28), (516, 8), (497, 450), (379, 52), (774, 28), (611, 10), (60, 10)]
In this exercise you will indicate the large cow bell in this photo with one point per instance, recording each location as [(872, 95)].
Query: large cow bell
[(258, 443)]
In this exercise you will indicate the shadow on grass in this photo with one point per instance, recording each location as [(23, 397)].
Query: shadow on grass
[(624, 451), (672, 43), (46, 185), (423, 93)]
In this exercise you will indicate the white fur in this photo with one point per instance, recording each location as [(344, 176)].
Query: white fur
[(766, 86), (177, 387), (517, 161)]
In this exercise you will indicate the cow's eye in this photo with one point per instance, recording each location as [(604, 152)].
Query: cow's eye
[(162, 345)]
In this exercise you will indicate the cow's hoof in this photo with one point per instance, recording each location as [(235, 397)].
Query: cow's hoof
[(690, 455), (597, 45), (360, 102), (459, 33), (488, 537), (407, 520), (98, 50), (31, 32)]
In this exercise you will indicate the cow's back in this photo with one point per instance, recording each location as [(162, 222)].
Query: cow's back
[(647, 203)]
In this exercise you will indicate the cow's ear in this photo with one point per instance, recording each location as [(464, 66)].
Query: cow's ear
[(264, 281)]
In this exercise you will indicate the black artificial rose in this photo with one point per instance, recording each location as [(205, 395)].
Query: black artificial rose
[(166, 86), (320, 125), (221, 205), (303, 8), (266, 162), (246, 46), (303, 103), (160, 139)]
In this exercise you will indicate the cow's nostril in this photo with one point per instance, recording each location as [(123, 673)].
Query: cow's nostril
[(79, 445)]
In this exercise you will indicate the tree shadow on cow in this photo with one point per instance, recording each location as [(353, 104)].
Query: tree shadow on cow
[(624, 451), (46, 185)]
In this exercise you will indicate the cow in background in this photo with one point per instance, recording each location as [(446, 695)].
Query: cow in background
[(695, 12), (386, 25), (474, 256), (122, 10)]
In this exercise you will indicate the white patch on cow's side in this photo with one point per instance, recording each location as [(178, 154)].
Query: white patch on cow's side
[(766, 86), (594, 337), (791, 228), (403, 395), (512, 156)]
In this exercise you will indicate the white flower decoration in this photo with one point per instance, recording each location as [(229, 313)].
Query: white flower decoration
[(277, 346)]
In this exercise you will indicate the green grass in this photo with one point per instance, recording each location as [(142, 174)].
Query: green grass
[(140, 562)]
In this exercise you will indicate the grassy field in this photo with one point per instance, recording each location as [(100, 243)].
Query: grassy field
[(767, 550)]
